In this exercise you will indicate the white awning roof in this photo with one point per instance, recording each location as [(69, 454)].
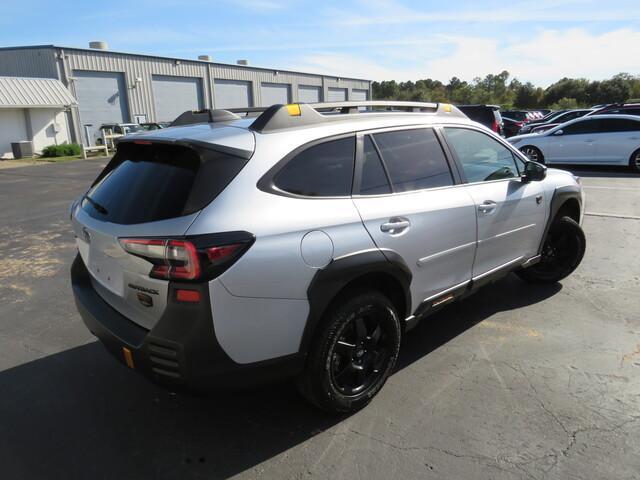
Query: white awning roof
[(19, 92)]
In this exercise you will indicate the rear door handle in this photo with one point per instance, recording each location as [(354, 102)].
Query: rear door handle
[(395, 225), (487, 206)]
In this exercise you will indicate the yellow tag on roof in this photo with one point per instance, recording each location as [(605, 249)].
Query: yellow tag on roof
[(293, 109), (446, 107)]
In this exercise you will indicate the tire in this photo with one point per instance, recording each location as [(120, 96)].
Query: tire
[(634, 161), (353, 352), (562, 252), (533, 153)]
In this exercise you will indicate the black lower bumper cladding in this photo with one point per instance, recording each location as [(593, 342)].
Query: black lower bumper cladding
[(181, 350)]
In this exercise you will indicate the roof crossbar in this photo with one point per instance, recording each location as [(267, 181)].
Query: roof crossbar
[(204, 116)]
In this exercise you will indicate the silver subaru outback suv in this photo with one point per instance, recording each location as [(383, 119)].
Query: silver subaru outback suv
[(304, 241)]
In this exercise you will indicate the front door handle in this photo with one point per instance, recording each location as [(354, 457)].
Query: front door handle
[(487, 206), (395, 225)]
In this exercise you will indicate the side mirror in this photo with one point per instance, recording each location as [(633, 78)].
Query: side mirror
[(558, 132), (534, 172)]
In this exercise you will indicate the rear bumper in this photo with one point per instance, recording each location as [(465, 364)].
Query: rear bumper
[(181, 350)]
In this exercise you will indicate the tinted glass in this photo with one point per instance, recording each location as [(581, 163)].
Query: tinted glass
[(324, 170), (570, 116), (618, 125), (414, 159), (145, 183), (480, 114), (482, 157), (586, 126), (623, 111), (374, 181)]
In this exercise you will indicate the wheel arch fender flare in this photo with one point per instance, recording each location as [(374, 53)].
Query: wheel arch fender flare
[(330, 281), (566, 198)]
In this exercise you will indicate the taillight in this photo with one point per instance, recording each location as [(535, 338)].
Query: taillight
[(520, 124), (495, 127), (185, 259)]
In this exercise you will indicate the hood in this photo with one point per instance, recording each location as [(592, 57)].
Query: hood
[(523, 137)]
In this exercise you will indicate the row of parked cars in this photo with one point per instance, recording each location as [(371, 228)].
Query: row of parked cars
[(114, 130), (601, 135)]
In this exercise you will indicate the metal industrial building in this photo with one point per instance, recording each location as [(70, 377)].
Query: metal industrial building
[(120, 87)]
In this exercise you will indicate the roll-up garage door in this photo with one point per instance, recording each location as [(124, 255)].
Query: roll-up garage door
[(358, 95), (337, 94), (232, 94), (101, 99), (175, 95), (309, 94), (275, 93)]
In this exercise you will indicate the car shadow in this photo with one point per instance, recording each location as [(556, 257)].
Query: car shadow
[(80, 414)]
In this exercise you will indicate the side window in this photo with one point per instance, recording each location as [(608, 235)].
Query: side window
[(483, 158), (414, 159), (590, 125), (374, 180), (611, 125), (324, 170)]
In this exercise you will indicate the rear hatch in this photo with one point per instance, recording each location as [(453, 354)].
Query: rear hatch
[(151, 190)]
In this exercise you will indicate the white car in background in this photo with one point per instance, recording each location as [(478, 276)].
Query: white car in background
[(591, 140)]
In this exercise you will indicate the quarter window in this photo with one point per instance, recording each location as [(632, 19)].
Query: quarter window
[(483, 158), (610, 125), (414, 159), (323, 170)]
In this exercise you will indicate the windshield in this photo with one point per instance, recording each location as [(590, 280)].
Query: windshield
[(132, 128)]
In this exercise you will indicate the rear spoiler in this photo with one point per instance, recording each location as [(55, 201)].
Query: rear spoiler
[(279, 117)]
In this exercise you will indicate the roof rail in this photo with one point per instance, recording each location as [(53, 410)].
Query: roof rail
[(355, 106), (278, 117), (204, 116)]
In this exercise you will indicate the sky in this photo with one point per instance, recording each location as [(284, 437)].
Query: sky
[(535, 40)]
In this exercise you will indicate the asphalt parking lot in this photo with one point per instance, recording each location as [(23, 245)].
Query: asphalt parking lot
[(518, 381)]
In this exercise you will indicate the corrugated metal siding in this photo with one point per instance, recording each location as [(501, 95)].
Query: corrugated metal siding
[(17, 92), (43, 62), (29, 62), (140, 97)]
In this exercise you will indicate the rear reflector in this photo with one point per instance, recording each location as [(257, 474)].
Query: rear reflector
[(192, 296)]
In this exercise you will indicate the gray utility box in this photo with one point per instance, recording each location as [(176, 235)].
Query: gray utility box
[(22, 149)]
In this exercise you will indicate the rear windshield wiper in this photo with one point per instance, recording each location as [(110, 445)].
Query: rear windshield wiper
[(96, 205)]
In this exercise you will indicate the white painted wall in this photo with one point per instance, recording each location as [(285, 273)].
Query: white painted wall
[(43, 122), (13, 128)]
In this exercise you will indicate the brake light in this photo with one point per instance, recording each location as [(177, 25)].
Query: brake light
[(520, 124), (495, 127), (183, 259), (218, 254)]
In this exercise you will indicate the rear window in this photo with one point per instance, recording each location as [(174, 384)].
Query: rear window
[(146, 183), (480, 114)]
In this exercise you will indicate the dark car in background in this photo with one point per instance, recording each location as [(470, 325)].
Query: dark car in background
[(519, 115), (621, 108), (487, 115), (553, 120), (511, 127)]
